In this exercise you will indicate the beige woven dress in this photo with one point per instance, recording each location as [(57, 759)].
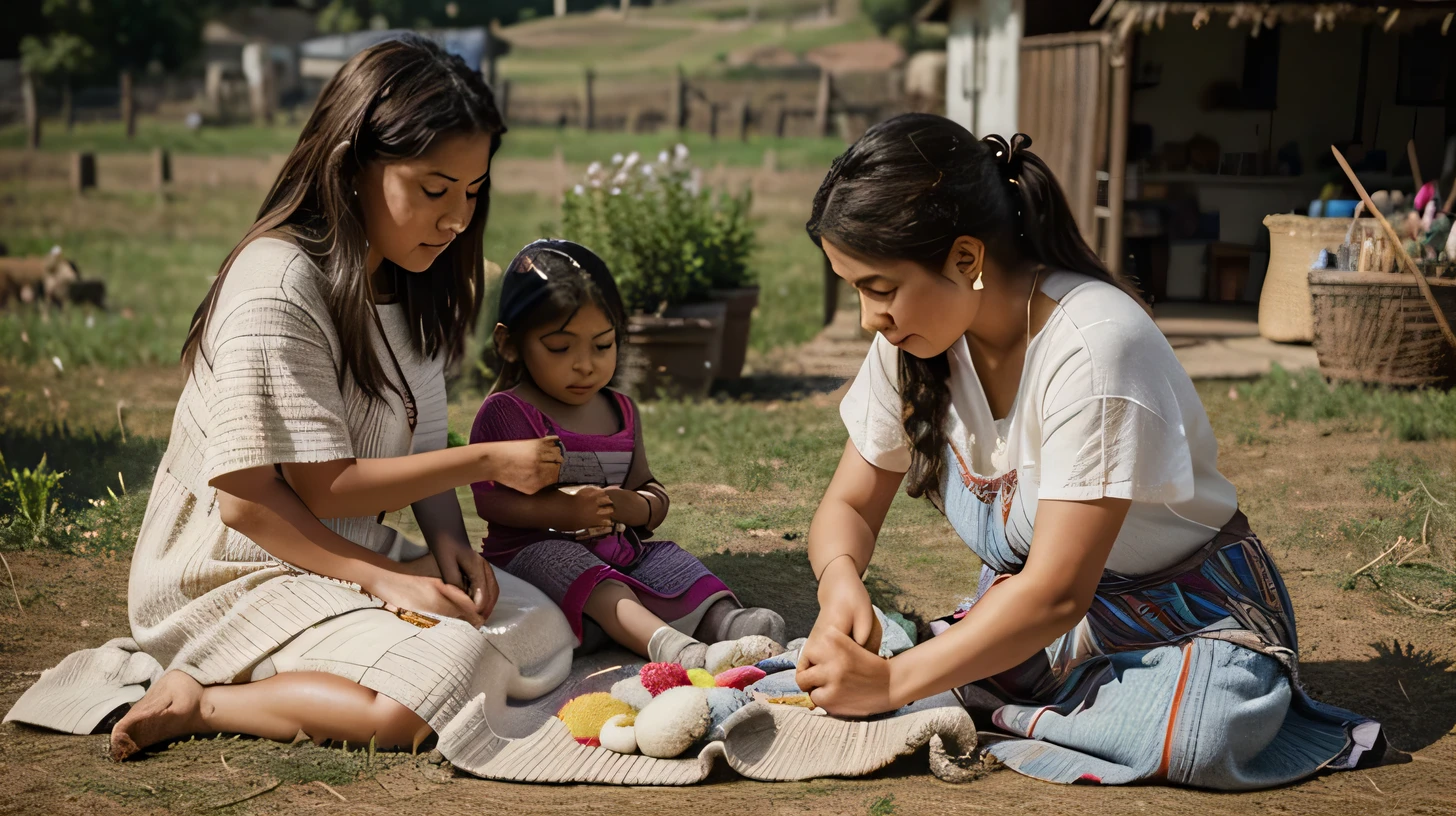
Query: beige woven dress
[(266, 389)]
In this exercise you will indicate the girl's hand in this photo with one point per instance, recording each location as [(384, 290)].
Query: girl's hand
[(461, 566), (590, 508), (419, 593), (525, 465), (629, 507), (844, 678)]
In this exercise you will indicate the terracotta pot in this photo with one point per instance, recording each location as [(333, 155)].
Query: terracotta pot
[(739, 319), (676, 353)]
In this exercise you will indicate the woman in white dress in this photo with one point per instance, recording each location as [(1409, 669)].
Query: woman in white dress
[(1128, 626), (266, 596)]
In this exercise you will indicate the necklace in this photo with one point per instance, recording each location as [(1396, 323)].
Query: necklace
[(1035, 282)]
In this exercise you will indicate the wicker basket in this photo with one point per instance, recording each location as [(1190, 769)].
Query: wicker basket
[(1377, 328), (1285, 313)]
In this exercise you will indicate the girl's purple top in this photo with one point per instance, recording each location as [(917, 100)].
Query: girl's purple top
[(504, 417)]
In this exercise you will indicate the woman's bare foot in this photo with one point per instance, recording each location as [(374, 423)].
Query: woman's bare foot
[(171, 708)]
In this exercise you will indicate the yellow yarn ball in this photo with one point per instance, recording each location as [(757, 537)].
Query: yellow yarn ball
[(585, 715), (701, 678)]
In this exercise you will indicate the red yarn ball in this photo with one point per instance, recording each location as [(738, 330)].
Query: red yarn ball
[(659, 677), (740, 678)]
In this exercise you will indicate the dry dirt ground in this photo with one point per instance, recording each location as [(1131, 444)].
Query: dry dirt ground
[(1299, 483)]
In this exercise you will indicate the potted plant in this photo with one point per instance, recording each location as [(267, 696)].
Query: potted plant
[(670, 244)]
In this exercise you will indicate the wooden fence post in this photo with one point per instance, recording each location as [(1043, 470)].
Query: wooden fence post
[(782, 125), (161, 169), (677, 105), (83, 172), (32, 110), (743, 116), (713, 121), (588, 103), (634, 119), (503, 98), (128, 105), (822, 103)]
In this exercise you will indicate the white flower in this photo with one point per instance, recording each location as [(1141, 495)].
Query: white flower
[(593, 168), (616, 158), (616, 191), (680, 152), (662, 157), (57, 362), (646, 169), (596, 184), (579, 190), (632, 159), (620, 178), (90, 321)]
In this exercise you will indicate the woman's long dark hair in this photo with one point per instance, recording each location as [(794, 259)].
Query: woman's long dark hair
[(907, 190), (547, 283), (388, 103)]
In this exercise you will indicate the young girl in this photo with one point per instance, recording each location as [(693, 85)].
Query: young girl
[(585, 544), (1129, 625)]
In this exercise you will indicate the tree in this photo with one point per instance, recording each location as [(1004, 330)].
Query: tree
[(886, 14), (130, 36), (60, 58)]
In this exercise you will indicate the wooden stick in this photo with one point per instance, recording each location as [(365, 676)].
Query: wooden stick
[(1415, 162), (12, 583), (1404, 258)]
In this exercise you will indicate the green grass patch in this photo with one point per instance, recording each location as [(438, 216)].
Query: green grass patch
[(1417, 529), (1305, 396), (583, 147), (152, 133), (577, 145)]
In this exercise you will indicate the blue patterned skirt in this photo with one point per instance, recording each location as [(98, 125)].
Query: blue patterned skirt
[(1195, 681)]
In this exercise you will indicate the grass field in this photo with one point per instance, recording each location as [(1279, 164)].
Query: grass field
[(576, 145), (159, 258)]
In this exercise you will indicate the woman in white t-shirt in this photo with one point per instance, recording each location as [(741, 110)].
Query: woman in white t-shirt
[(1128, 624)]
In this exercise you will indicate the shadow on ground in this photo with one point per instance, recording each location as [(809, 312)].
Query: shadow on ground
[(1411, 692), (768, 387)]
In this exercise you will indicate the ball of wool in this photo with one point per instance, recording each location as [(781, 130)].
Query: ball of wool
[(722, 703), (741, 677), (745, 651), (631, 692), (701, 678), (620, 734), (782, 662), (672, 722), (776, 684), (659, 677), (585, 715)]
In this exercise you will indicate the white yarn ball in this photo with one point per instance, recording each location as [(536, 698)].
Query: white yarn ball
[(618, 737), (745, 651), (631, 692), (673, 721)]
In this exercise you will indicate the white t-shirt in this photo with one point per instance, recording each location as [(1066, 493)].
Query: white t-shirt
[(1104, 409)]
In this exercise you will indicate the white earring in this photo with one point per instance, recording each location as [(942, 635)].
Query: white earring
[(980, 282)]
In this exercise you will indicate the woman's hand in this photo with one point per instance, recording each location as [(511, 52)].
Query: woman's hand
[(418, 593), (844, 678), (844, 607), (461, 566), (525, 466)]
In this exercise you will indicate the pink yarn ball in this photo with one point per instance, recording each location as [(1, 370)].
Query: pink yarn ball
[(1424, 195), (659, 677), (740, 678)]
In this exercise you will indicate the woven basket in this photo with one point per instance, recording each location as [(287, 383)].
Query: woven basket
[(1285, 313), (1377, 328)]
